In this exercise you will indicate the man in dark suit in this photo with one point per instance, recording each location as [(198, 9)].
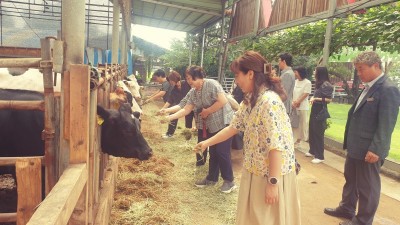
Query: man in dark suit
[(369, 128)]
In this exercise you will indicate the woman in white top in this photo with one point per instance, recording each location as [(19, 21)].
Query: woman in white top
[(302, 89)]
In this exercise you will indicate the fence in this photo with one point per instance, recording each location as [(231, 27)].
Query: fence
[(79, 178)]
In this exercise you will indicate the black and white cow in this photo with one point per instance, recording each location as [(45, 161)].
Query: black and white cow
[(20, 130)]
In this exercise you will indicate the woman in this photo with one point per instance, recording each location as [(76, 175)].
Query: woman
[(322, 96), (302, 89), (214, 113), (178, 92), (268, 189)]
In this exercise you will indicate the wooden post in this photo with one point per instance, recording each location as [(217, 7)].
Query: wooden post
[(29, 187), (328, 33), (221, 47), (92, 165), (48, 133), (79, 139)]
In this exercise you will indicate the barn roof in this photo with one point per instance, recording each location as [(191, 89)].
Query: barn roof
[(23, 22), (181, 15)]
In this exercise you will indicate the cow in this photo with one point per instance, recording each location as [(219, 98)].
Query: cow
[(31, 79), (20, 130)]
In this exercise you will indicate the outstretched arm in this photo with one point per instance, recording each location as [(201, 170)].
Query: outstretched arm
[(221, 136)]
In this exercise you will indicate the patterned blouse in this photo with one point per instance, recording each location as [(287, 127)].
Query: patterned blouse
[(266, 127)]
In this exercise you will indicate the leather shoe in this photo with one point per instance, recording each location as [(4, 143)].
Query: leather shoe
[(338, 212), (348, 222)]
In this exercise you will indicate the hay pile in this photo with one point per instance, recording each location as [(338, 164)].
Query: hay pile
[(161, 190)]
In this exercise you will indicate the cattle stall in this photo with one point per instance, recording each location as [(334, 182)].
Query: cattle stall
[(79, 178)]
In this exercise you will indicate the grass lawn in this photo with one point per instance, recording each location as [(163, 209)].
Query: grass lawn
[(338, 119)]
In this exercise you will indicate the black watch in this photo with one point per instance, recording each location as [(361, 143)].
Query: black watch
[(273, 180)]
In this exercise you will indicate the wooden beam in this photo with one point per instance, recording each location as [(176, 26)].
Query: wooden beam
[(22, 105), (8, 217), (11, 161), (29, 187), (79, 139), (79, 113), (103, 208), (62, 198), (21, 62), (19, 52), (323, 15)]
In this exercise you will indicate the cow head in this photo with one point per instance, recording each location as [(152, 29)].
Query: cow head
[(120, 134)]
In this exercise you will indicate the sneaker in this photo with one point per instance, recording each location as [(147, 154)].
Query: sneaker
[(228, 187), (166, 136), (309, 155), (316, 161), (204, 183)]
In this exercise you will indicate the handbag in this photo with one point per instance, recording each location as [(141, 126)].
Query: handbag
[(323, 114), (294, 118)]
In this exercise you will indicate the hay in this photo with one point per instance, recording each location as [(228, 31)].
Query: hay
[(187, 134), (161, 190)]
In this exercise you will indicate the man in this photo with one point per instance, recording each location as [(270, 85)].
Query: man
[(159, 76), (369, 128), (287, 77)]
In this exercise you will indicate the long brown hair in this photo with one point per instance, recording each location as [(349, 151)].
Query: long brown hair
[(252, 60)]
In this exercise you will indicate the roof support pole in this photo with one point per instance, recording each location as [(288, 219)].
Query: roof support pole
[(328, 33), (190, 49), (115, 32), (202, 47), (123, 44), (73, 31), (221, 47)]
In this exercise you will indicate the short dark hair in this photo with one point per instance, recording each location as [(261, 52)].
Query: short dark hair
[(159, 73), (174, 76), (287, 58), (321, 75), (302, 71), (196, 72)]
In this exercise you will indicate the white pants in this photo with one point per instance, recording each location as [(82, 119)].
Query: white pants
[(301, 132)]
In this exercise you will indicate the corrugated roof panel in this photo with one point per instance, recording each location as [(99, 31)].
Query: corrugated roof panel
[(148, 9), (171, 12), (159, 11), (193, 17), (204, 18), (182, 15)]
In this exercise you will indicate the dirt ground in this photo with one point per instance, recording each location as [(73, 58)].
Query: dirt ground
[(172, 198)]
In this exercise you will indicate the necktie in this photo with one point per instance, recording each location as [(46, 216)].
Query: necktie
[(363, 94)]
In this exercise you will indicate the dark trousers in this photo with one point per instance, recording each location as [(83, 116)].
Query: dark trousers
[(189, 120), (363, 185), (220, 158), (172, 127), (316, 132), (237, 141)]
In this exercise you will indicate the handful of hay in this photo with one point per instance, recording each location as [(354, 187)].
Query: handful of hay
[(187, 134), (164, 120)]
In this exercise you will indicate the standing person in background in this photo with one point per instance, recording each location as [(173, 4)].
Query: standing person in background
[(214, 114), (302, 89), (370, 124), (179, 90), (159, 76), (322, 96), (268, 192), (287, 78), (238, 95)]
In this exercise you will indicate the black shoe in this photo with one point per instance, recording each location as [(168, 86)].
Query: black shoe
[(338, 212), (348, 222), (200, 163)]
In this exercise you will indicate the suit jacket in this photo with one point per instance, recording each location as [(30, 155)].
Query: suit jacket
[(370, 126), (288, 78)]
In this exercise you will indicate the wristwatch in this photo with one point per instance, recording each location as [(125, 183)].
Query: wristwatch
[(273, 180)]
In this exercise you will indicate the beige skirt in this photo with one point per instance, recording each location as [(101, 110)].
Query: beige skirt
[(252, 210)]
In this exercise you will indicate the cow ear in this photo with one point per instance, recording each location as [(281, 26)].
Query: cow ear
[(103, 113), (125, 107)]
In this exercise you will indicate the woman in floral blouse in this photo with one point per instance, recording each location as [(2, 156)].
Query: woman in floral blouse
[(268, 189)]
